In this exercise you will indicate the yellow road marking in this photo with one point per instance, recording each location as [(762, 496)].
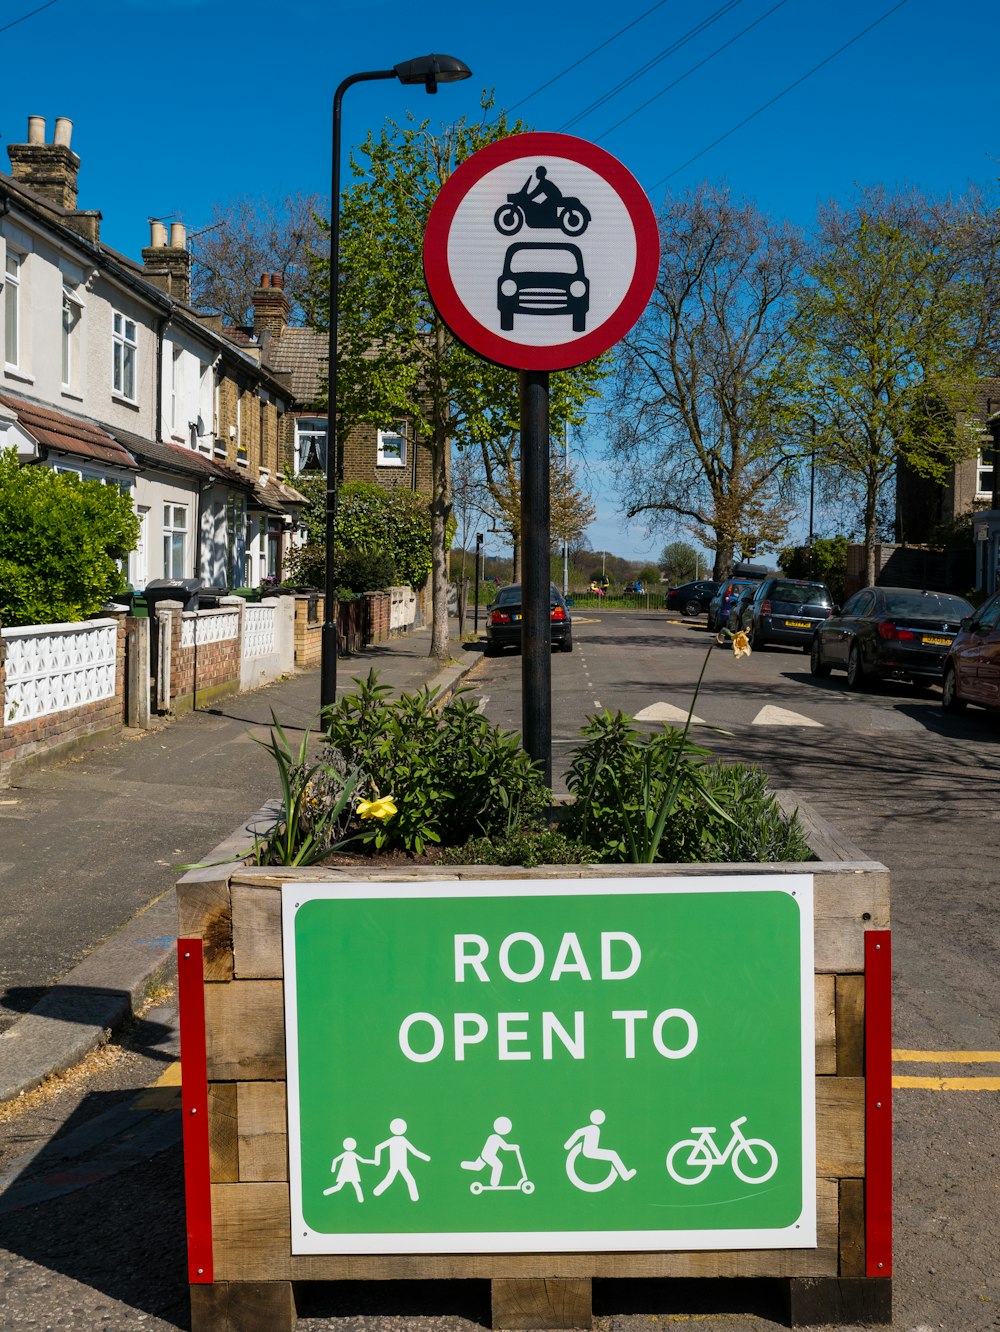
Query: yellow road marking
[(946, 1056), (948, 1084), (165, 1093)]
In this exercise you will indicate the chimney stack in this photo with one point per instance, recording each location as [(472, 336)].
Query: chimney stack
[(271, 307), (50, 169), (168, 266)]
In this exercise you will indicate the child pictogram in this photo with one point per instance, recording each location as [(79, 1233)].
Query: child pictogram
[(345, 1169), (585, 1142), (491, 1156)]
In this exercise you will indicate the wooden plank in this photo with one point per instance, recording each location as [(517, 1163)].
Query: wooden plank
[(263, 1131), (826, 1027), (847, 906), (852, 1228), (223, 1155), (840, 1127), (826, 841), (262, 1306), (210, 1307), (541, 1303), (204, 912), (253, 1239), (851, 1027), (256, 932), (245, 1027), (822, 1300)]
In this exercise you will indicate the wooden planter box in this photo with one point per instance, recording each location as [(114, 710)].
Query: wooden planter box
[(241, 1267)]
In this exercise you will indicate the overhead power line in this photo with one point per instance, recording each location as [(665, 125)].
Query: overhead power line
[(711, 56), (31, 14), (778, 96)]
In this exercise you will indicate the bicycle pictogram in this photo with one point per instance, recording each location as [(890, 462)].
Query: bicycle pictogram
[(692, 1160)]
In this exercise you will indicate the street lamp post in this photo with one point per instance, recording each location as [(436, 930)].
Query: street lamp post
[(429, 70)]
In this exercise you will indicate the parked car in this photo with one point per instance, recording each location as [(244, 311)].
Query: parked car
[(739, 608), (972, 667), (786, 610), (503, 621), (721, 604), (691, 598), (889, 631)]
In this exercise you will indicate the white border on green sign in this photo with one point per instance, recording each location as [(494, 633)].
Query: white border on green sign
[(800, 1235)]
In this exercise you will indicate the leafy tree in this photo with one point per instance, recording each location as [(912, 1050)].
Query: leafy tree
[(825, 561), (396, 358), (894, 321), (61, 544), (246, 238), (678, 562), (370, 520), (703, 423)]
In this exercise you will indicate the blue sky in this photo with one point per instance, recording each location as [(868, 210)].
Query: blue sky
[(181, 103)]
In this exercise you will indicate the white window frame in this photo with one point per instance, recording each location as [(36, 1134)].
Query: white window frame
[(124, 355), (392, 446), (72, 313), (310, 432), (12, 308), (984, 491), (174, 527)]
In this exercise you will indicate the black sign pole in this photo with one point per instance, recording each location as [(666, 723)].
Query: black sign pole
[(536, 630)]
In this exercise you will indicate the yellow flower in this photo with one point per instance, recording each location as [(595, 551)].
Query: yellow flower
[(741, 644), (376, 809)]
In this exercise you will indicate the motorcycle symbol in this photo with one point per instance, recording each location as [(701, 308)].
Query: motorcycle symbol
[(545, 206)]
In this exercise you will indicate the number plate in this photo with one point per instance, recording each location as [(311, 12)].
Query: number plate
[(797, 624), (515, 618), (938, 639)]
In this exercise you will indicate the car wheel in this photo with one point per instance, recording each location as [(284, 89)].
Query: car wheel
[(491, 650), (950, 700), (566, 645), (817, 666), (856, 678), (692, 608)]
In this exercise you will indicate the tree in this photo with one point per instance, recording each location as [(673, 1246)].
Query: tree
[(825, 561), (892, 318), (62, 541), (396, 357), (370, 520), (679, 562), (246, 238), (702, 410)]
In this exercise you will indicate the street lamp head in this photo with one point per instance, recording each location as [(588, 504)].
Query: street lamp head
[(430, 70)]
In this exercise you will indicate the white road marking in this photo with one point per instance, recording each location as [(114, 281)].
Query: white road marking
[(668, 713), (772, 716), (481, 705)]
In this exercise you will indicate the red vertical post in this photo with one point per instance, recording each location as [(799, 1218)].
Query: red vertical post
[(878, 1103), (194, 1108)]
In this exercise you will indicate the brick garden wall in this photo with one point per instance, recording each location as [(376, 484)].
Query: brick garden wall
[(208, 667)]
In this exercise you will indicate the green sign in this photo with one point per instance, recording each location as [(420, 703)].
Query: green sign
[(509, 1066)]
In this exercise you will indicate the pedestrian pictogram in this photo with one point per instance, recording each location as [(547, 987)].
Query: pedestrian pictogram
[(580, 272)]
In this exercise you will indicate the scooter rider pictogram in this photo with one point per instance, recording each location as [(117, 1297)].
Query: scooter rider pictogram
[(490, 1156), (542, 206)]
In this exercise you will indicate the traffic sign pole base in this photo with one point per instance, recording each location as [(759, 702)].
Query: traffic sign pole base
[(537, 1303)]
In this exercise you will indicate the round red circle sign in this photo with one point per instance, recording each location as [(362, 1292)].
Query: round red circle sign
[(541, 251)]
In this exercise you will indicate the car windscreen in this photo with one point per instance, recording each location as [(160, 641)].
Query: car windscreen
[(508, 596), (800, 594), (926, 605), (543, 261)]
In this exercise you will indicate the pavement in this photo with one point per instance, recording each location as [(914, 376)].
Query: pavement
[(91, 848)]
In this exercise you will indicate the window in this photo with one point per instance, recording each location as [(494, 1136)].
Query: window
[(12, 309), (310, 445), (174, 540), (392, 446), (986, 461), (176, 389), (123, 356), (72, 309)]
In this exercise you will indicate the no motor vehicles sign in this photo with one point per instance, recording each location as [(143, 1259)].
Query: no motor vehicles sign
[(506, 1067), (541, 251)]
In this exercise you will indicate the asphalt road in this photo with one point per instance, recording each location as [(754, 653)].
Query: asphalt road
[(92, 1229)]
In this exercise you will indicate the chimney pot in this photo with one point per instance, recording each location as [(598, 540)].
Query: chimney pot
[(265, 281), (63, 132), (157, 234), (36, 129), (277, 282), (178, 236)]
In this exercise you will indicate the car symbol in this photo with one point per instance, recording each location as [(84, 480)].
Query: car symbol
[(543, 279)]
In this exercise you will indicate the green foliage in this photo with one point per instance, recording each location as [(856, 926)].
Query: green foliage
[(61, 540), (315, 802), (825, 561), (367, 570), (370, 520), (679, 562), (756, 830), (451, 774), (522, 846)]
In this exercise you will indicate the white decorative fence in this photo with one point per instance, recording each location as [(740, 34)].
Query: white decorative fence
[(402, 608), (209, 626), (258, 629), (58, 667), (268, 641)]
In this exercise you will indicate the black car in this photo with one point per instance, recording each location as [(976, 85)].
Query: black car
[(889, 631), (786, 610), (541, 278), (691, 598), (503, 622)]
